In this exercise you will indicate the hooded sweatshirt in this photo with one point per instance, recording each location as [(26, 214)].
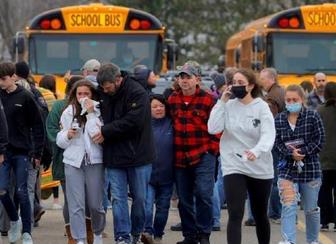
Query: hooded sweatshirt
[(141, 75), (245, 127), (23, 120)]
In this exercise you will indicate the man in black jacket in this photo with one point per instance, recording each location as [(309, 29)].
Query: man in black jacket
[(128, 148), (23, 120), (3, 133)]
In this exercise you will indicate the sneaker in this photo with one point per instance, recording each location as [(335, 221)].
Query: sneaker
[(216, 228), (177, 227), (324, 227), (249, 222), (98, 239), (275, 221), (284, 242), (56, 206), (80, 242), (38, 214), (4, 233), (105, 235), (147, 238), (14, 232), (26, 238), (121, 241), (136, 240)]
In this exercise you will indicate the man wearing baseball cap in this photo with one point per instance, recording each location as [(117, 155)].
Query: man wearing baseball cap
[(195, 156), (90, 70)]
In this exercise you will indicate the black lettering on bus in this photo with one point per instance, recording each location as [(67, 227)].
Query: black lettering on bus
[(73, 20), (311, 18), (112, 20), (117, 20)]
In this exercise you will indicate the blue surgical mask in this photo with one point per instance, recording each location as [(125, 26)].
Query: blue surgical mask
[(294, 107)]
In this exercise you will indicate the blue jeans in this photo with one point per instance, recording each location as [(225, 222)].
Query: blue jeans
[(220, 186), (160, 195), (19, 165), (196, 181), (216, 198), (274, 207), (249, 210), (289, 196), (107, 182), (137, 178)]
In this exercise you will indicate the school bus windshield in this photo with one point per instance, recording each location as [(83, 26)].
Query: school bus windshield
[(57, 53), (302, 53)]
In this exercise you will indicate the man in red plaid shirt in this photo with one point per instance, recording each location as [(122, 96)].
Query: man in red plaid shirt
[(195, 156)]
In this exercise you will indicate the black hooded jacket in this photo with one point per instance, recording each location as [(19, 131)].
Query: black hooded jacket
[(127, 126), (23, 119), (3, 130)]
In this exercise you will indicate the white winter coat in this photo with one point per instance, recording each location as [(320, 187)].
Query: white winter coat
[(76, 147)]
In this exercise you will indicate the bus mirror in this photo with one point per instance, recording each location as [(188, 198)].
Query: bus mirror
[(237, 55), (258, 44), (18, 45), (172, 54), (221, 61), (256, 66)]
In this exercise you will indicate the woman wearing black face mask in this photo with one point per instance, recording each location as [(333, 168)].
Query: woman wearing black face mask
[(245, 148)]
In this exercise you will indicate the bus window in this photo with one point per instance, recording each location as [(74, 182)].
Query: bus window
[(58, 53), (302, 53)]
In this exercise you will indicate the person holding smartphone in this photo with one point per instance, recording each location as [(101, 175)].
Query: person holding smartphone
[(299, 139), (83, 162), (245, 149)]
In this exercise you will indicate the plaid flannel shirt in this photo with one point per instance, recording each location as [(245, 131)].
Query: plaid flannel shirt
[(313, 100), (310, 130), (191, 137)]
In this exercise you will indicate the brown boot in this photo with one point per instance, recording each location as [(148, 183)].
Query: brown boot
[(89, 232), (68, 233)]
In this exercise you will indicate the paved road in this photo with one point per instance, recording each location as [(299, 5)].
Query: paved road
[(51, 231)]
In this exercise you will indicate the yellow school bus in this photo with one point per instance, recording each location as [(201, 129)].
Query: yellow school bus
[(298, 42), (63, 39)]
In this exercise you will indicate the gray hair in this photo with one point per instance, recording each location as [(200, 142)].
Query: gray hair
[(271, 73), (108, 73)]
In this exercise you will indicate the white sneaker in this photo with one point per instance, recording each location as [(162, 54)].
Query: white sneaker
[(14, 232), (80, 242), (26, 238), (56, 206), (284, 242), (98, 239)]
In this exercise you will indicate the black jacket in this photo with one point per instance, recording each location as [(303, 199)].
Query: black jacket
[(23, 120), (127, 126), (3, 130)]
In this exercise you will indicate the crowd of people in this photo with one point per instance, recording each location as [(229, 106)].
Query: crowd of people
[(111, 139)]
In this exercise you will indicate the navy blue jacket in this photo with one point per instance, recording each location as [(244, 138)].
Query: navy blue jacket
[(163, 166)]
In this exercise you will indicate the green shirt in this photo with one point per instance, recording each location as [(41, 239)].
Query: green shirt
[(53, 127)]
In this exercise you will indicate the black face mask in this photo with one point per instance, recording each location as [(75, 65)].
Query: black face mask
[(239, 91)]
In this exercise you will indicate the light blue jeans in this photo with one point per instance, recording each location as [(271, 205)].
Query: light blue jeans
[(137, 179), (290, 194)]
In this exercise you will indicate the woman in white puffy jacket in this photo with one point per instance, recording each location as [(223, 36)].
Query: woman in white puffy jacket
[(84, 170)]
